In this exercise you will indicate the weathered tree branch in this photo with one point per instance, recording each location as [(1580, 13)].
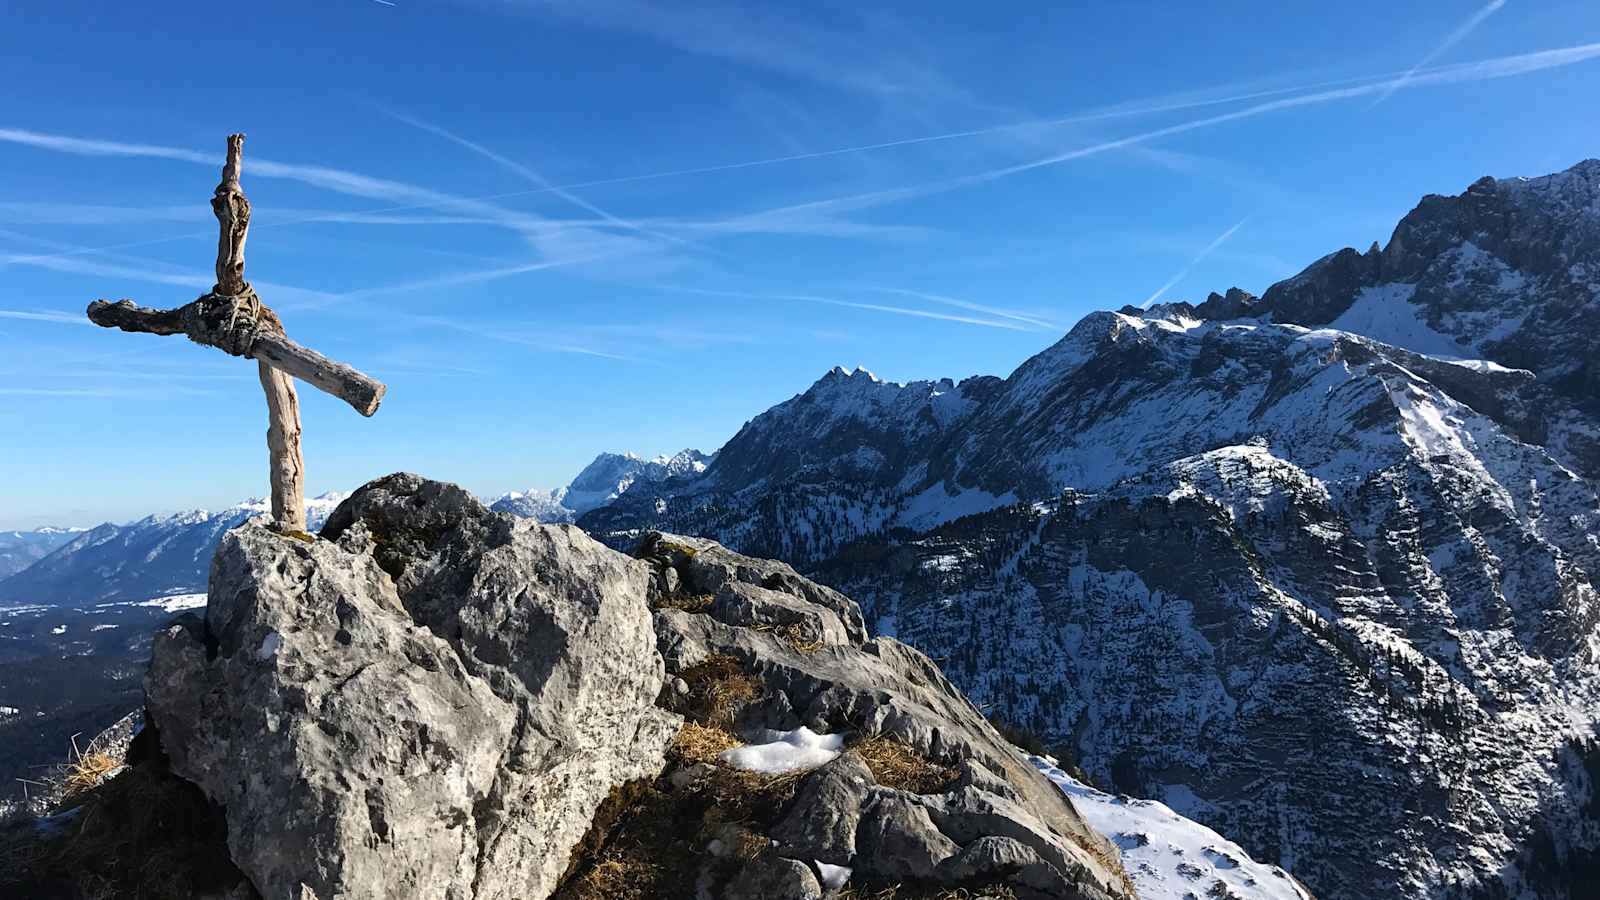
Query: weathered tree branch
[(353, 387), (233, 221), (286, 467), (214, 322), (124, 314)]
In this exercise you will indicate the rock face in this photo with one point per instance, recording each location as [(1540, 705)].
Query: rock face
[(432, 701), (992, 821)]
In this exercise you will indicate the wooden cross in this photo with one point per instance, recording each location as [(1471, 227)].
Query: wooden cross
[(234, 320)]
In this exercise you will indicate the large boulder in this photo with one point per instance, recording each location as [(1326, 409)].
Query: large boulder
[(428, 701)]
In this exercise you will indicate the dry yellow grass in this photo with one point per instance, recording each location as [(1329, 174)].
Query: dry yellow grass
[(657, 845), (792, 633), (145, 833), (85, 773), (896, 766), (698, 743), (693, 603), (718, 688)]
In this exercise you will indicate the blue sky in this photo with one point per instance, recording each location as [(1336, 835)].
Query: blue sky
[(555, 228)]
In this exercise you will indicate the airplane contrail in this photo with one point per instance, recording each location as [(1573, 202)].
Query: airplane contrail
[(348, 182), (1198, 258), (1455, 37)]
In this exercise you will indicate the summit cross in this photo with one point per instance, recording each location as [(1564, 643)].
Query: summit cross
[(234, 320)]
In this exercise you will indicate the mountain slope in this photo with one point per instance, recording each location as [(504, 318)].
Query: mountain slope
[(1332, 593)]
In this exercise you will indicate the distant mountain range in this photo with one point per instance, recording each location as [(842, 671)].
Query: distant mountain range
[(21, 549), (600, 482), (170, 554), (1318, 569)]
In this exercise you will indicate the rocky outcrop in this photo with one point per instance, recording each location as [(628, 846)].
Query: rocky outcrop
[(809, 665), (431, 701)]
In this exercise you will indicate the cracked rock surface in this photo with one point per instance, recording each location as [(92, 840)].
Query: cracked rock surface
[(430, 702)]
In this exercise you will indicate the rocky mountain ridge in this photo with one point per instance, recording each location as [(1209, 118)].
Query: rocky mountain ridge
[(1368, 562)]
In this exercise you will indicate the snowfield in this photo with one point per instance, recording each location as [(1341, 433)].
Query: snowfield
[(1170, 857)]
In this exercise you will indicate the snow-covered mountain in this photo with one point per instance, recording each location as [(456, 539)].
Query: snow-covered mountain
[(602, 481), (1330, 593), (21, 549), (154, 556)]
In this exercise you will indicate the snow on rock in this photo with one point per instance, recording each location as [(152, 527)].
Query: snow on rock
[(786, 751), (269, 646), (175, 602), (1168, 856), (833, 877)]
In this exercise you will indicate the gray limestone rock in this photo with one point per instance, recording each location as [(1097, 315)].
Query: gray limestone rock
[(771, 877), (430, 702), (821, 825), (877, 688), (897, 840)]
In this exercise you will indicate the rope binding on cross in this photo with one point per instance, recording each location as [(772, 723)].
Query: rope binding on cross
[(229, 322)]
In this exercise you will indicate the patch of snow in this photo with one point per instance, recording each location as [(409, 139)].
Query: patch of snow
[(886, 627), (269, 646), (936, 506), (1169, 857), (833, 877), (1385, 313), (172, 602), (786, 751)]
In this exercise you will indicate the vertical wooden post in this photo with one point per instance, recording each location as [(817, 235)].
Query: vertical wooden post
[(285, 466)]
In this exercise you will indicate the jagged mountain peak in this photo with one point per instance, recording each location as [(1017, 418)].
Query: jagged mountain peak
[(1506, 271)]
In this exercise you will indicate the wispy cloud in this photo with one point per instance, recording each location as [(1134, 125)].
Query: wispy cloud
[(41, 316), (1453, 38), (94, 392), (74, 260), (1034, 321), (871, 57), (544, 235), (1198, 258), (1001, 323), (24, 213), (528, 174), (1483, 70)]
